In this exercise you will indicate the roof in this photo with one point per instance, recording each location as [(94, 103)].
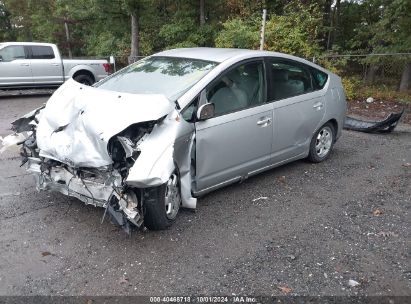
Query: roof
[(210, 54), (26, 43)]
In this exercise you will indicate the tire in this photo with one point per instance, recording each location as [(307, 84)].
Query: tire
[(161, 204), (84, 79), (322, 143)]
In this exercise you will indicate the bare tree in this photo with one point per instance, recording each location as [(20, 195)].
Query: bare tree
[(134, 7), (134, 38)]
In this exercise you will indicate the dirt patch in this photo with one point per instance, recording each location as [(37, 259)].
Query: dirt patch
[(378, 109)]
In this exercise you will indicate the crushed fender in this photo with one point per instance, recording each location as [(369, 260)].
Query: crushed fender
[(383, 126)]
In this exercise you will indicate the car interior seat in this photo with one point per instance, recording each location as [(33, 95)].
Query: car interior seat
[(230, 97), (285, 87)]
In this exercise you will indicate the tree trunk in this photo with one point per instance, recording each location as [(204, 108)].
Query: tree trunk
[(405, 83), (68, 39), (202, 15), (134, 38), (371, 72)]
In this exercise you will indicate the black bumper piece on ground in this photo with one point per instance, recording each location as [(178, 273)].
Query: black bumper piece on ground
[(384, 126)]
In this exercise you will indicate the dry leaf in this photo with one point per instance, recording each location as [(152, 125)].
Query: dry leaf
[(281, 179), (377, 212), (45, 253), (285, 289), (408, 165)]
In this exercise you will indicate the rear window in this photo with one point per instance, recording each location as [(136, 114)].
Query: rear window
[(320, 78), (42, 52)]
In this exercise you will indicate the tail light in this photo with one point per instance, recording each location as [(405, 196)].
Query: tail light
[(107, 67)]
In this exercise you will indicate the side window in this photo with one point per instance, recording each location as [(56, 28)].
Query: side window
[(288, 79), (241, 87), (42, 52), (12, 52), (320, 78)]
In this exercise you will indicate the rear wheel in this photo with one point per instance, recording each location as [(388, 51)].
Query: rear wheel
[(162, 204), (322, 143), (84, 79)]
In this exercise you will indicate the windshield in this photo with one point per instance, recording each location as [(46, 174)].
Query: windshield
[(169, 76)]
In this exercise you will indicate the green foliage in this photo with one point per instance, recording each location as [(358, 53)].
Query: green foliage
[(7, 32), (307, 28), (236, 33), (296, 32)]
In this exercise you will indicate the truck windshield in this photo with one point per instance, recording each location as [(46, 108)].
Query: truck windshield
[(169, 76)]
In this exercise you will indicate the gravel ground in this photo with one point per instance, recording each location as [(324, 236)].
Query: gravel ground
[(301, 229)]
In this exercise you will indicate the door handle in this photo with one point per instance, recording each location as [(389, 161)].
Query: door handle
[(24, 64), (55, 64), (318, 105), (264, 122)]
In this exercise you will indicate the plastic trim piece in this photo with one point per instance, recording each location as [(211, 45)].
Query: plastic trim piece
[(383, 126)]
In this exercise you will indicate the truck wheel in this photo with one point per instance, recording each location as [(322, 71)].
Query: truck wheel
[(162, 204), (322, 143), (84, 79)]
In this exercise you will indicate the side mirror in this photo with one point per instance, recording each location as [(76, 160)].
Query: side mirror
[(205, 111), (1, 58)]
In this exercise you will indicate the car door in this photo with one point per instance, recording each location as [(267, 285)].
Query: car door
[(15, 67), (237, 140), (297, 108), (46, 66)]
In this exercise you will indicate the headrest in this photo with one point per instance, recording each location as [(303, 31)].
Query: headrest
[(251, 70), (235, 76), (280, 75)]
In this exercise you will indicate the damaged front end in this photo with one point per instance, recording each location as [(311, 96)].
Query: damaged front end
[(104, 149), (105, 186)]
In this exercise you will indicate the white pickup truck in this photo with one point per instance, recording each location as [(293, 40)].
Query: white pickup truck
[(30, 64)]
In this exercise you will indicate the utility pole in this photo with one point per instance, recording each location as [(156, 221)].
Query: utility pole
[(263, 30)]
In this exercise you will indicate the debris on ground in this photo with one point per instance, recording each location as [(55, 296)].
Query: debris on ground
[(387, 234), (379, 109), (123, 280), (377, 212), (260, 198), (291, 257), (281, 179), (285, 289), (353, 283), (381, 126)]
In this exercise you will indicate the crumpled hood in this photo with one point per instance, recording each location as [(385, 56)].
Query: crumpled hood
[(78, 121)]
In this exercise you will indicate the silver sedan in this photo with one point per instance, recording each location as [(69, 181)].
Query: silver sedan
[(167, 129)]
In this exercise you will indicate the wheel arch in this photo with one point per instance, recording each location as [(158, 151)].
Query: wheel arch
[(84, 72)]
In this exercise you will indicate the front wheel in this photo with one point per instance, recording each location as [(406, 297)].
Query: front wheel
[(322, 143), (162, 204)]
